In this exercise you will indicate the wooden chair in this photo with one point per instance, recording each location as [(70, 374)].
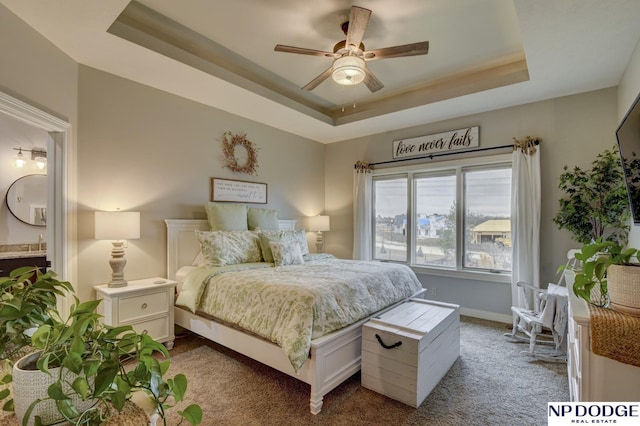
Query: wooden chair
[(546, 323)]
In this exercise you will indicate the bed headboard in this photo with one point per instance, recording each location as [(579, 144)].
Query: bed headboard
[(183, 246)]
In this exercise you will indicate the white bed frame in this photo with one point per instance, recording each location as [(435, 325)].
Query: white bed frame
[(333, 358)]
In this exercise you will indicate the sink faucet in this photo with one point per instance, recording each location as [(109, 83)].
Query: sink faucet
[(40, 242)]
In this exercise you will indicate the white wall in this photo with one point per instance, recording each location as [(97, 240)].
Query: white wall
[(141, 148), (36, 72), (146, 150), (573, 129)]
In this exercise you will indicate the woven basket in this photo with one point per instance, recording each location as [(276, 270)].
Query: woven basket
[(624, 288), (29, 385)]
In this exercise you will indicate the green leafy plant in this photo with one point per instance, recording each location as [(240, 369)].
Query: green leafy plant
[(24, 306), (104, 365), (596, 205), (591, 280)]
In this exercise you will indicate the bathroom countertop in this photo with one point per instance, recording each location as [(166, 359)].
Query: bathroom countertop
[(22, 254)]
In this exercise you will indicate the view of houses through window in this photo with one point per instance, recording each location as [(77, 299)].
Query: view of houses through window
[(461, 218)]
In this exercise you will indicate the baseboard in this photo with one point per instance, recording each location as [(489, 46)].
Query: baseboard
[(492, 316)]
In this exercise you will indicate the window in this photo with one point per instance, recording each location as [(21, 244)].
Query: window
[(435, 231), (487, 219), (445, 215), (390, 205)]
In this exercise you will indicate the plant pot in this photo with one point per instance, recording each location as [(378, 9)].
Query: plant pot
[(623, 283), (29, 385)]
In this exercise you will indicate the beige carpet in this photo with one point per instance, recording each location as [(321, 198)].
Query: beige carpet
[(490, 384)]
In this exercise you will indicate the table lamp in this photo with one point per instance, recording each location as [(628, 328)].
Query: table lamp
[(318, 224), (117, 226)]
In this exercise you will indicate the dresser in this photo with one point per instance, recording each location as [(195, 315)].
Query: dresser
[(145, 304), (593, 377)]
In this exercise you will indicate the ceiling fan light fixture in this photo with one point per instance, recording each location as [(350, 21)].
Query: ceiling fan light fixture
[(348, 70)]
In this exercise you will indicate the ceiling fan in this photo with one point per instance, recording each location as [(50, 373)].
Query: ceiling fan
[(350, 55)]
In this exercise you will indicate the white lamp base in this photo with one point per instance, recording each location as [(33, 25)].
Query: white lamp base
[(117, 263), (319, 242)]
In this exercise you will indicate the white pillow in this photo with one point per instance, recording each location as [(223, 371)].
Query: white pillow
[(301, 237)]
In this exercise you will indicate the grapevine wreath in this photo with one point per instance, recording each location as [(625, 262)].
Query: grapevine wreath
[(229, 143)]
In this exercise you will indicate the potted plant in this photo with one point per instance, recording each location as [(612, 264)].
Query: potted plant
[(608, 277), (95, 368), (24, 306), (596, 205)]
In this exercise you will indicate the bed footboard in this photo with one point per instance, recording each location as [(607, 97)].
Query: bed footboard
[(333, 358)]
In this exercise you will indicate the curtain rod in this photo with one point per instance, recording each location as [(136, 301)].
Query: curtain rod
[(442, 154)]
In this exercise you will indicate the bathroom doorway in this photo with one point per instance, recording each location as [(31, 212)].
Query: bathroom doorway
[(57, 131)]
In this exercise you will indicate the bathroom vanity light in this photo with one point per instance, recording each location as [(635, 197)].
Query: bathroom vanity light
[(19, 161), (41, 160), (37, 155)]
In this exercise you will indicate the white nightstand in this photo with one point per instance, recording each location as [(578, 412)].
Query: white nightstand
[(146, 304)]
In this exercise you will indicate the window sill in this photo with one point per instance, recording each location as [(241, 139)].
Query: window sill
[(504, 277)]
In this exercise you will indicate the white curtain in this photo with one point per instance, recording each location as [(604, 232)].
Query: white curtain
[(362, 186), (525, 218)]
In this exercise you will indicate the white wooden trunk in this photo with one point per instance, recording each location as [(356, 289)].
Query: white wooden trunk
[(429, 337)]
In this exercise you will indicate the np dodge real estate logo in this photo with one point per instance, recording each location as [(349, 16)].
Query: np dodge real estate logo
[(576, 413)]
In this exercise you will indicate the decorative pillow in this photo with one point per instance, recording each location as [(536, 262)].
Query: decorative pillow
[(265, 237), (262, 219), (221, 248), (300, 237), (286, 253), (283, 235), (226, 217)]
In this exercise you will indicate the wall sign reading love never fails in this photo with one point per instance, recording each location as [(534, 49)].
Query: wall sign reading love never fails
[(440, 142)]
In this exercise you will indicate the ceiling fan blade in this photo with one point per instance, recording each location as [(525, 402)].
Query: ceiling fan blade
[(413, 49), (372, 82), (319, 79), (358, 21), (303, 51)]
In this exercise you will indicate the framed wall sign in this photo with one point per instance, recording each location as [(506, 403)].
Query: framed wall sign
[(238, 191), (439, 142)]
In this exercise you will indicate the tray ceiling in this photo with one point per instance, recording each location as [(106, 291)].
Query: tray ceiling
[(483, 54)]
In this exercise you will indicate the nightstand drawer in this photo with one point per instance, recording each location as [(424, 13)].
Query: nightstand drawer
[(142, 306), (146, 304), (157, 328)]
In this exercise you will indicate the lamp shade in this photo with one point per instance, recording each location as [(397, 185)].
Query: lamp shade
[(319, 223), (117, 225), (348, 70)]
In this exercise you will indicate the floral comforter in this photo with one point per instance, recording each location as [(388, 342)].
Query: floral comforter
[(291, 305)]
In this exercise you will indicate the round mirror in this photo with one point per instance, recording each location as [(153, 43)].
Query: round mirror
[(27, 199)]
